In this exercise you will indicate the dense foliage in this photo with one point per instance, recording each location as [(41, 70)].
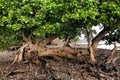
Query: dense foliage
[(56, 17)]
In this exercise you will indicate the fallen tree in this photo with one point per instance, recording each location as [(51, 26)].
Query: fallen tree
[(32, 50)]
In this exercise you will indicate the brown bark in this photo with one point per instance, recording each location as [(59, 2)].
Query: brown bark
[(96, 40), (93, 46), (91, 51), (60, 51)]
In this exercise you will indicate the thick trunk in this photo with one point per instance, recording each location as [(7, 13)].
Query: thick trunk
[(96, 40)]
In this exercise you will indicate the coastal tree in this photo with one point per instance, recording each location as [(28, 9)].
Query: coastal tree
[(47, 18)]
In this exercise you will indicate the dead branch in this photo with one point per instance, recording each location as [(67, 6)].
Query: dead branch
[(46, 41), (24, 38), (13, 48), (19, 54), (111, 56), (37, 40), (67, 41), (14, 72), (30, 36)]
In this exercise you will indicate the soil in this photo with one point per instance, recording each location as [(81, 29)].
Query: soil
[(66, 69)]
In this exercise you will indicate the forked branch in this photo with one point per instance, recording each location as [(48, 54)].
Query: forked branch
[(24, 38)]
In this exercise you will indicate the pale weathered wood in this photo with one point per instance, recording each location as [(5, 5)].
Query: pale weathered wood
[(111, 56)]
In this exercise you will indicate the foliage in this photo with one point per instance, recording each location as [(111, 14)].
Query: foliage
[(34, 16), (55, 17), (110, 19), (113, 36)]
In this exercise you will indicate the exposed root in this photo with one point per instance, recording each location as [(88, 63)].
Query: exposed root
[(19, 54), (31, 52)]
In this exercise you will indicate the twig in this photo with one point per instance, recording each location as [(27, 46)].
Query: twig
[(13, 72)]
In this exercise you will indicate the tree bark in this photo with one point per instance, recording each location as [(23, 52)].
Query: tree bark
[(96, 40), (91, 51), (92, 43)]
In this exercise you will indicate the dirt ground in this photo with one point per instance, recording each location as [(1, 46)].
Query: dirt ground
[(67, 69)]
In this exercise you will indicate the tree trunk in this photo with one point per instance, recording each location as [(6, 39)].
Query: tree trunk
[(96, 40), (91, 51)]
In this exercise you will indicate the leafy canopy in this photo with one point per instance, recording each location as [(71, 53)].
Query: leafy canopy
[(56, 17)]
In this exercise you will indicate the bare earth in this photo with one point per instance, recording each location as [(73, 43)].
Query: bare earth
[(67, 69)]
